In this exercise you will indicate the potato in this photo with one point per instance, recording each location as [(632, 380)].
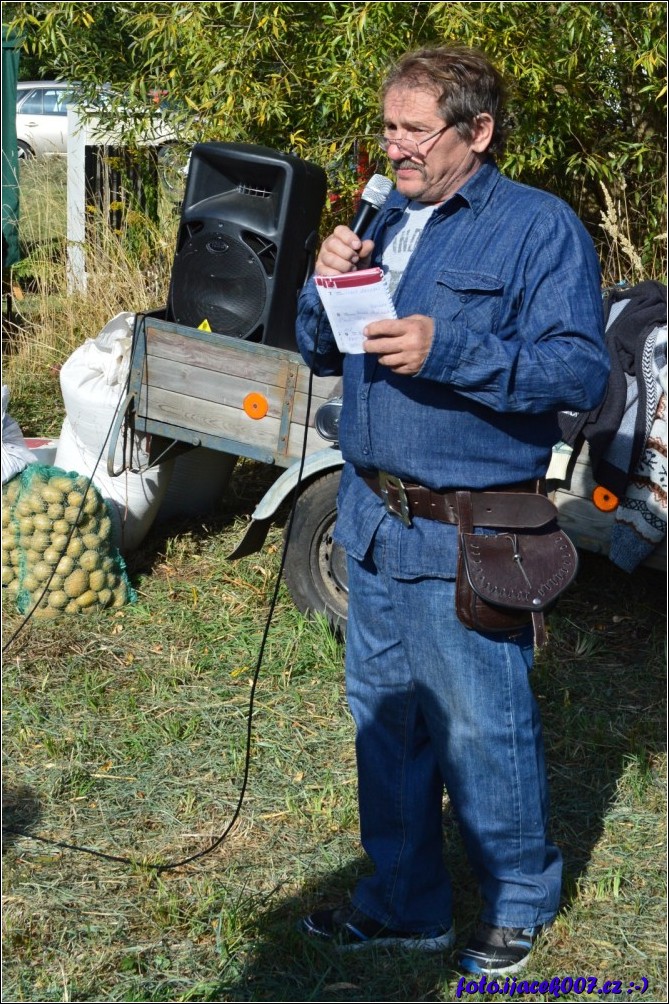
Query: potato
[(86, 599), (75, 499), (58, 599), (51, 494), (45, 613), (66, 565), (76, 547), (97, 579), (90, 560), (31, 583), (71, 514), (76, 584), (42, 571), (61, 484), (38, 541), (52, 555), (93, 505), (105, 528)]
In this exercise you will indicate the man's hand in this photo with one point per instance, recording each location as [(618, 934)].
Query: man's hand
[(342, 252), (401, 344)]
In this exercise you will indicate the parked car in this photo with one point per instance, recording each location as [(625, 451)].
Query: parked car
[(41, 118)]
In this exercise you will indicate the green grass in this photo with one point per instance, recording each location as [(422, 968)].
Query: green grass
[(125, 732)]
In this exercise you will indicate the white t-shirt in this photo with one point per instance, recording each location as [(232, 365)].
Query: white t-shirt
[(401, 239)]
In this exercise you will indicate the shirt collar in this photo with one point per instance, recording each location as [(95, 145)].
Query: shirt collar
[(475, 192)]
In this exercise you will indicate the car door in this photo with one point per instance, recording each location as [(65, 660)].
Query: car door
[(41, 120)]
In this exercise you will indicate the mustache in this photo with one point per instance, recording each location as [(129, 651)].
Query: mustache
[(398, 165)]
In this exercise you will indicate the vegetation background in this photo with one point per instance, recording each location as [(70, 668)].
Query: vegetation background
[(587, 81), (126, 731)]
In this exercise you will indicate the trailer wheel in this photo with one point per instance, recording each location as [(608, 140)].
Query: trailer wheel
[(315, 569)]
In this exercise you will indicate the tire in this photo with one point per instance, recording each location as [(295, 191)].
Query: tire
[(315, 569), (25, 153)]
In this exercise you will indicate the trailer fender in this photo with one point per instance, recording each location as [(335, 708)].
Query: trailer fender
[(315, 464)]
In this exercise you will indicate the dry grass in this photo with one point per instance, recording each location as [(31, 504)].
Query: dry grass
[(621, 260), (126, 269)]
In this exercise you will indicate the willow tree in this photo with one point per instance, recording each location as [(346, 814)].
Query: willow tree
[(586, 82)]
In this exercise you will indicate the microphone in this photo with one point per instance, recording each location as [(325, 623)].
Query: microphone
[(374, 194)]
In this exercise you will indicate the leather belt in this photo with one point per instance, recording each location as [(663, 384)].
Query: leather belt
[(503, 506)]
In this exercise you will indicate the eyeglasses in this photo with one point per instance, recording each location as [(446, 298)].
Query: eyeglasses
[(410, 147)]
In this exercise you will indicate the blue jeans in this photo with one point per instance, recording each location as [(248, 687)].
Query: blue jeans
[(436, 704)]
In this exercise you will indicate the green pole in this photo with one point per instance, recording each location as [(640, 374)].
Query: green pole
[(10, 157)]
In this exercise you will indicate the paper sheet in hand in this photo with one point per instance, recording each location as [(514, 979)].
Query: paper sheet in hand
[(353, 301)]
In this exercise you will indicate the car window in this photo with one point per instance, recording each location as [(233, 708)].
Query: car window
[(33, 104), (54, 102), (43, 101)]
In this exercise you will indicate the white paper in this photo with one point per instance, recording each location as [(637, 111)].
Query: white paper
[(350, 309)]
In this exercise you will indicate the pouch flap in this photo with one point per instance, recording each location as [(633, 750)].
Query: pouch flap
[(523, 571)]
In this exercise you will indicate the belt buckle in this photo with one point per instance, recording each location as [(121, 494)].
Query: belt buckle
[(387, 481)]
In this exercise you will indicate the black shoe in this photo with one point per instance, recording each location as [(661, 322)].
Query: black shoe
[(498, 950), (347, 928)]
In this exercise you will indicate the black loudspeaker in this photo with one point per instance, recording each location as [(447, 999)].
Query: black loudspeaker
[(246, 241)]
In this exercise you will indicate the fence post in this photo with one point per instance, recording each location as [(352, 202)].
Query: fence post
[(76, 202)]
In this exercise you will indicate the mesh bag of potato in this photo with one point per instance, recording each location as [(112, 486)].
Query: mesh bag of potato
[(58, 553)]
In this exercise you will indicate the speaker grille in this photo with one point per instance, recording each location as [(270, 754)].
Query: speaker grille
[(254, 191), (221, 280)]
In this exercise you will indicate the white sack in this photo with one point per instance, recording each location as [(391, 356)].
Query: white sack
[(93, 384), (15, 454)]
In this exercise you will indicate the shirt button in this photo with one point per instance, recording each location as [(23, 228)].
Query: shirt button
[(463, 299)]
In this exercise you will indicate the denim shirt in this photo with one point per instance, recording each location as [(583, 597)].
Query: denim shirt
[(511, 279)]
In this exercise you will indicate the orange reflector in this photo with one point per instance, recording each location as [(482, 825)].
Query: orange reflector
[(256, 405), (604, 500)]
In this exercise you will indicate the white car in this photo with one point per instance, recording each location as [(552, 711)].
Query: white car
[(41, 121), (41, 118)]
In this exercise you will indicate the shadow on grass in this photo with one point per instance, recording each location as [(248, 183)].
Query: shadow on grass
[(248, 483), (288, 966), (20, 810)]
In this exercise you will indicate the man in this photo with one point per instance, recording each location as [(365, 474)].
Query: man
[(497, 294)]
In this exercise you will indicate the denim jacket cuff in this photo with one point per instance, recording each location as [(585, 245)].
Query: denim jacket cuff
[(444, 354)]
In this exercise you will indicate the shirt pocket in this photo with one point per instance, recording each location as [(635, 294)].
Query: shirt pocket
[(472, 298)]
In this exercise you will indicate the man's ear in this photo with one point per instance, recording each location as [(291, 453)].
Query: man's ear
[(482, 130)]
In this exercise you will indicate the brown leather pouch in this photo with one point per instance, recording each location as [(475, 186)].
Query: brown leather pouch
[(508, 579)]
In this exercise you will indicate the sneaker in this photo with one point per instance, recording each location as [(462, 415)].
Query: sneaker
[(498, 950), (347, 928)]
